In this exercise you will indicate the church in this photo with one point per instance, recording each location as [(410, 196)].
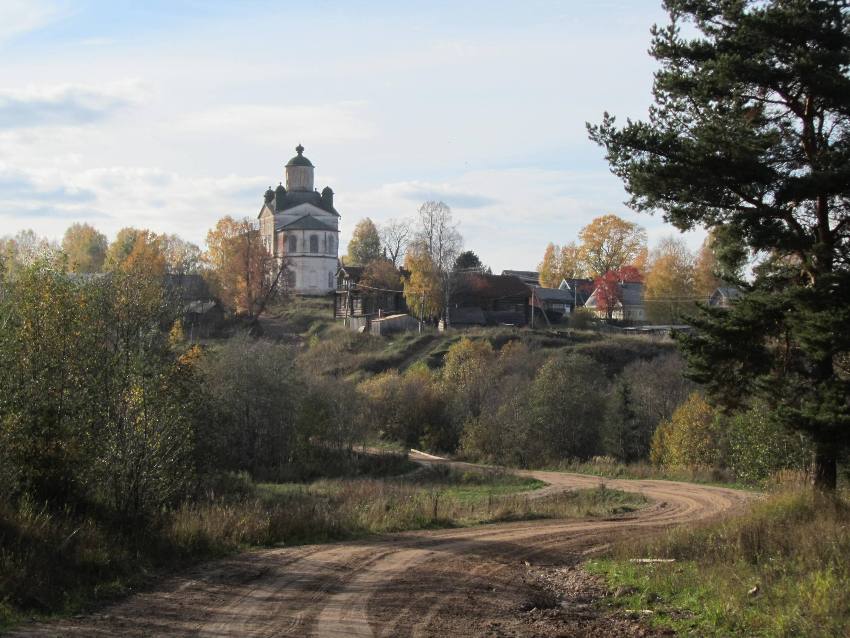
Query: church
[(300, 224)]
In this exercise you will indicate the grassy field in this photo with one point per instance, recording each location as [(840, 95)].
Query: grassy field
[(780, 570), (62, 562)]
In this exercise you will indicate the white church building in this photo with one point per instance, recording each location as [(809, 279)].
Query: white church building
[(301, 224)]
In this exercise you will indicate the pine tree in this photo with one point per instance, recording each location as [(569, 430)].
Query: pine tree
[(750, 136)]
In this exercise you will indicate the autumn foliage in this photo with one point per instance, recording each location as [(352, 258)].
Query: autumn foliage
[(243, 273)]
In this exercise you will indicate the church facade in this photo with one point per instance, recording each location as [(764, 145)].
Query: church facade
[(301, 225)]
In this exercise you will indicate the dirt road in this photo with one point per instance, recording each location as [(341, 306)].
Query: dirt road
[(480, 581)]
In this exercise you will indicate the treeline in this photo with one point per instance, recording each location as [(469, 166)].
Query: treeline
[(622, 399), (236, 265)]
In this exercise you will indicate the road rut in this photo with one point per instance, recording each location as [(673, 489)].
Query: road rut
[(452, 582)]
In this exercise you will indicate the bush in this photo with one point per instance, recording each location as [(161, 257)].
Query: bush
[(691, 438), (759, 446)]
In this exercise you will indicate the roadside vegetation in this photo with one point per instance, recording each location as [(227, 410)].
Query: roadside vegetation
[(778, 570)]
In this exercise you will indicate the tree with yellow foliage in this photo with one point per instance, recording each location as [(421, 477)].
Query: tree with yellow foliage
[(85, 247), (423, 291), (609, 243), (669, 292), (690, 438), (560, 262)]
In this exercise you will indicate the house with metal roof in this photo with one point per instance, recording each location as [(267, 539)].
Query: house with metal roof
[(628, 307), (301, 225), (554, 303)]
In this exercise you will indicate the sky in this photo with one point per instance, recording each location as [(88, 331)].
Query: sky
[(169, 115)]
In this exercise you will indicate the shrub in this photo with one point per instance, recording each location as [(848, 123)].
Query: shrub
[(759, 446), (691, 438)]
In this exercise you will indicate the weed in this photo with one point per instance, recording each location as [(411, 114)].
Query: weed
[(780, 570)]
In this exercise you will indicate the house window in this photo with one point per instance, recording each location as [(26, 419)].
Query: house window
[(293, 243), (314, 243)]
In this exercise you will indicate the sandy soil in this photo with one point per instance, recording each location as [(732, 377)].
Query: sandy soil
[(511, 579)]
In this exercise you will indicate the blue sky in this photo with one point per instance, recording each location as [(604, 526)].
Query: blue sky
[(169, 115)]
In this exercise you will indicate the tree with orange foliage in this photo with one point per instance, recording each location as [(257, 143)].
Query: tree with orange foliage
[(243, 273)]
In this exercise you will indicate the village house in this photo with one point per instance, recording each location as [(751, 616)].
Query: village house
[(528, 277), (301, 225), (480, 300), (550, 304), (629, 306), (358, 304)]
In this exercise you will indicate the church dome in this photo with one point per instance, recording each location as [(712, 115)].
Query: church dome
[(299, 172), (299, 160)]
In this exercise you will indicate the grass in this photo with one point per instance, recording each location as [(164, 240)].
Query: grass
[(611, 468), (780, 570), (63, 562)]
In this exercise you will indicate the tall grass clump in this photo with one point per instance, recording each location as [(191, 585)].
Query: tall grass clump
[(782, 569)]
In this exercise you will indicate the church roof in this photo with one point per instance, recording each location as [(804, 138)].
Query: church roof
[(293, 198), (299, 160), (307, 222)]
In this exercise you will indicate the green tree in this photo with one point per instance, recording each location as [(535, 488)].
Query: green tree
[(365, 244), (467, 381), (623, 435), (749, 133), (85, 248), (566, 406), (468, 260), (94, 404), (759, 446)]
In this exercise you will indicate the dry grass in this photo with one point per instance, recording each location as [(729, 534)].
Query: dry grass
[(332, 510), (61, 562), (611, 468), (793, 548)]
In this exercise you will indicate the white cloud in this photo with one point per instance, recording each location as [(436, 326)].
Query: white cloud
[(65, 104)]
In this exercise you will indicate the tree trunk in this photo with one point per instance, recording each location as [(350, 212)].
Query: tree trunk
[(824, 467)]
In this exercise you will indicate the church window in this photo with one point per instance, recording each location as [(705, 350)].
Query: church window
[(330, 280), (293, 243), (314, 243)]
